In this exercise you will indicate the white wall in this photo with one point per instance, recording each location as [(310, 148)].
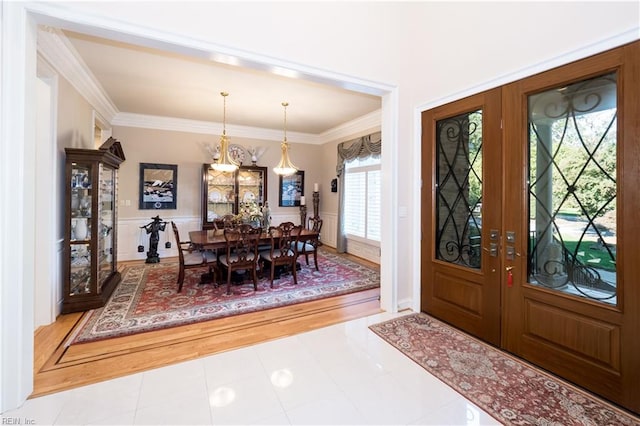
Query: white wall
[(416, 54), (48, 283)]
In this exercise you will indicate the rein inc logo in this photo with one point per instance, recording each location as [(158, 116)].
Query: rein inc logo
[(17, 421)]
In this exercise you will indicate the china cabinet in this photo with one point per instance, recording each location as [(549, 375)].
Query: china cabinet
[(224, 192), (90, 267)]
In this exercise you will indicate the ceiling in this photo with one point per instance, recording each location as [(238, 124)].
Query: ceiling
[(150, 82)]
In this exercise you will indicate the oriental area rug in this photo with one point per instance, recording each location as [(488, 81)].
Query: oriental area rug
[(509, 389), (147, 299)]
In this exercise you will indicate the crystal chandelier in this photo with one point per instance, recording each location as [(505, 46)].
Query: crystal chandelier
[(224, 162), (285, 167)]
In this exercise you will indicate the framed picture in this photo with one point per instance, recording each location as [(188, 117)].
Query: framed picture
[(158, 186), (291, 189)]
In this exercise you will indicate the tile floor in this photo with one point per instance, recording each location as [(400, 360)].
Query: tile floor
[(339, 375)]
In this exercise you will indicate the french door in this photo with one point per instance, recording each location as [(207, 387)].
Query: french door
[(562, 269), (461, 237)]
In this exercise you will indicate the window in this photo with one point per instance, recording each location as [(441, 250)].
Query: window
[(362, 188)]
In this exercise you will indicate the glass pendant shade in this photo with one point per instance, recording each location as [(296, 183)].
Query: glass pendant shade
[(285, 167), (224, 162)]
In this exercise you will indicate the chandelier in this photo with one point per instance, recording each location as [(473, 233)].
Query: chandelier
[(285, 167), (224, 162)]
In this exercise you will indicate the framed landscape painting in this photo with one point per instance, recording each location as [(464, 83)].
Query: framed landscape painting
[(158, 186)]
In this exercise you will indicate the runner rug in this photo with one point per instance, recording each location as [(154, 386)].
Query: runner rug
[(510, 390), (147, 299)]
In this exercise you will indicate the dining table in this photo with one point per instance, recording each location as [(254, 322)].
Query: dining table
[(212, 239)]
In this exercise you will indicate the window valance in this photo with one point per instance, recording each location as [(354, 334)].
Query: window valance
[(361, 148), (364, 147)]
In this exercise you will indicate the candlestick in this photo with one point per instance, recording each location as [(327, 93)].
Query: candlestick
[(303, 215), (316, 204), (315, 187)]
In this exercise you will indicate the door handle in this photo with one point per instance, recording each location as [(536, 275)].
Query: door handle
[(493, 249)]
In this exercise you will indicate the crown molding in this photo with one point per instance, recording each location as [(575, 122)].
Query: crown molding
[(208, 128), (345, 131), (58, 51), (55, 48), (366, 123)]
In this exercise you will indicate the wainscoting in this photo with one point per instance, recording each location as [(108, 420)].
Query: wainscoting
[(363, 250), (130, 237), (329, 229), (357, 248)]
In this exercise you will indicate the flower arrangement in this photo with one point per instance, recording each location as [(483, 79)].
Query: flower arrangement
[(249, 212)]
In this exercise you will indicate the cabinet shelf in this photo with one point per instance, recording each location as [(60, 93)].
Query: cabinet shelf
[(222, 193)]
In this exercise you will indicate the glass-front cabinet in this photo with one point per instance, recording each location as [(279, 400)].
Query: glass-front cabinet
[(90, 229), (224, 192)]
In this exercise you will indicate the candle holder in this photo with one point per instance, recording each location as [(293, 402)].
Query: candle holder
[(303, 215), (316, 204)]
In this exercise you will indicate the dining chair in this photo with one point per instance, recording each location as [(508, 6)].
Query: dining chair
[(225, 222), (282, 251), (190, 259), (311, 246), (241, 253)]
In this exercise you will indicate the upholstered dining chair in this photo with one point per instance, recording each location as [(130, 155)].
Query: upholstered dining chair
[(311, 246), (282, 252), (241, 252), (190, 259)]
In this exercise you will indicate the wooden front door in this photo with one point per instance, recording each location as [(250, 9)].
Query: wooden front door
[(572, 196), (461, 197), (560, 195)]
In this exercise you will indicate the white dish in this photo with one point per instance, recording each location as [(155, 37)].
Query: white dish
[(237, 153), (215, 196), (248, 197)]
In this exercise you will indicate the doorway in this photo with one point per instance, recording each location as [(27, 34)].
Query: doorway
[(528, 220)]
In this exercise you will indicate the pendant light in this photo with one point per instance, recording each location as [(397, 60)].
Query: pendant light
[(224, 162), (285, 167)]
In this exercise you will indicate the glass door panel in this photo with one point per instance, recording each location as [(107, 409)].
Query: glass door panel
[(572, 188), (80, 228), (220, 194), (106, 218), (459, 189), (251, 186)]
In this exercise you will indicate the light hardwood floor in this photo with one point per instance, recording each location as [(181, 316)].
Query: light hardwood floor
[(58, 366)]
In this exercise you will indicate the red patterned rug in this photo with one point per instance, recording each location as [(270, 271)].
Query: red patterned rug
[(146, 299), (512, 391)]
